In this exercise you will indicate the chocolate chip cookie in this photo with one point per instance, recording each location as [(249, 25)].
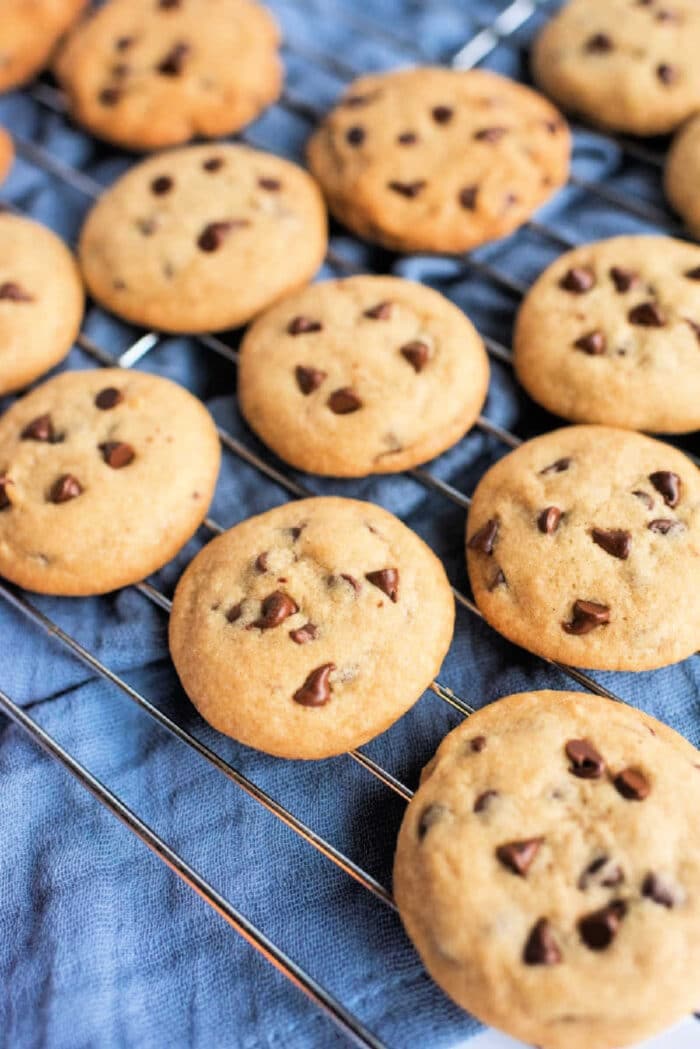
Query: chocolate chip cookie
[(41, 301), (682, 174), (146, 74), (610, 333), (364, 375), (104, 475), (7, 154), (30, 32), (203, 238), (548, 870), (628, 65), (311, 628), (437, 160), (584, 546)]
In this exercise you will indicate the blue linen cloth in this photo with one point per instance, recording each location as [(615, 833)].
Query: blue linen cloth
[(101, 945)]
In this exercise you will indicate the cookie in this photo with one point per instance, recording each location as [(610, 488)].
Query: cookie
[(584, 547), (627, 65), (7, 154), (30, 32), (311, 628), (41, 301), (548, 870), (104, 475), (610, 333), (438, 160), (146, 74), (363, 375), (682, 173), (203, 238)]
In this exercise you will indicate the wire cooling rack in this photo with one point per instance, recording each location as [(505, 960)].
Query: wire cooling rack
[(511, 26)]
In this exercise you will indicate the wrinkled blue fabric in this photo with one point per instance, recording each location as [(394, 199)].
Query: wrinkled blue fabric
[(101, 945)]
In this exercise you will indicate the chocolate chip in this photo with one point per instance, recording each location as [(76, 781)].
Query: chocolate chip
[(430, 815), (557, 467), (586, 762), (120, 70), (261, 562), (303, 634), (117, 454), (296, 531), (647, 315), (645, 498), (632, 784), (490, 134), (663, 526), (667, 484), (308, 379), (518, 856), (272, 185), (548, 520), (386, 580), (541, 948), (316, 690), (174, 61), (579, 279), (109, 96), (64, 488), (39, 429), (615, 541), (303, 325), (123, 43), (213, 164), (355, 136), (484, 539), (593, 343), (656, 889), (693, 274), (623, 279), (599, 43), (275, 608), (587, 616), (168, 5), (499, 579), (161, 185), (5, 483), (666, 73), (484, 800), (408, 189), (416, 353), (598, 930), (13, 292), (344, 401), (407, 138), (234, 612), (467, 197), (380, 312), (213, 236), (108, 398), (601, 872), (442, 114), (477, 744)]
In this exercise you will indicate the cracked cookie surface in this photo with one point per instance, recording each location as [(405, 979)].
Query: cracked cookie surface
[(146, 74), (310, 629), (203, 238), (363, 375), (41, 301), (432, 159), (629, 65), (584, 546), (610, 333), (30, 31), (104, 475), (548, 870)]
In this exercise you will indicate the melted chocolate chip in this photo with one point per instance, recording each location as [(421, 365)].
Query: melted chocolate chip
[(484, 800), (664, 526), (355, 136), (213, 236), (593, 343), (541, 948), (632, 784), (586, 617), (303, 326), (386, 580), (557, 467), (123, 43), (380, 312), (39, 429), (693, 274), (213, 164), (430, 815), (623, 279), (407, 138), (586, 762), (161, 185), (316, 690), (408, 189), (467, 197), (601, 872), (272, 185), (5, 482), (110, 96), (548, 520), (499, 579), (303, 634), (579, 279), (275, 608), (354, 583), (261, 562), (599, 43), (645, 498), (65, 488), (647, 315), (234, 612), (117, 454), (174, 61), (615, 541), (416, 353), (666, 73), (518, 856), (598, 930), (477, 744), (13, 292), (344, 401), (483, 540), (668, 485), (108, 398), (656, 889), (442, 114), (490, 134), (308, 379)]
